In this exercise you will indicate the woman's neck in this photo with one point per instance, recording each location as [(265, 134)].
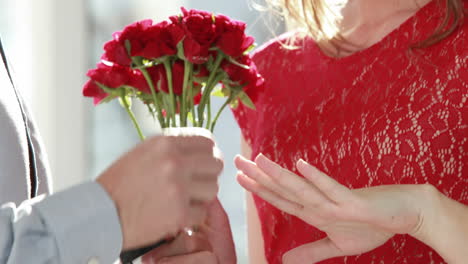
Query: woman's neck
[(366, 22)]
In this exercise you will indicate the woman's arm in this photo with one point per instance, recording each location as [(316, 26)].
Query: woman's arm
[(357, 221), (444, 226), (255, 238)]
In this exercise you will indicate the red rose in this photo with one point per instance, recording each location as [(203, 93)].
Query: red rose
[(197, 99), (138, 81), (159, 40), (200, 33), (199, 26), (158, 74), (136, 34), (178, 70), (112, 76), (239, 74), (91, 89), (176, 33), (201, 71), (232, 40), (253, 82), (194, 52), (115, 52)]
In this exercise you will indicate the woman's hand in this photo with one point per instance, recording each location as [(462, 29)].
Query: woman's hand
[(356, 221), (211, 244)]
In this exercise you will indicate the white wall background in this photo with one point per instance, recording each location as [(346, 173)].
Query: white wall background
[(46, 44)]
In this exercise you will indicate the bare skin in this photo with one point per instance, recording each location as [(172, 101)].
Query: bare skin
[(163, 185), (357, 221), (211, 244), (366, 22)]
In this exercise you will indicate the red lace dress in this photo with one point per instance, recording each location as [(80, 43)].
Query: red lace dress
[(380, 116)]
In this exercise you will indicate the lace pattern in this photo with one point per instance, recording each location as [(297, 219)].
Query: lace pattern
[(385, 115)]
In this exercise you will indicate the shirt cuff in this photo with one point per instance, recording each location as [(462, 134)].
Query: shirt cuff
[(85, 224)]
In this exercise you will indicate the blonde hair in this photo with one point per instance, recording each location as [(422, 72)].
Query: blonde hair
[(317, 20)]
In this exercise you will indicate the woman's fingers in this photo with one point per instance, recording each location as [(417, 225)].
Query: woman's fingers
[(331, 188), (269, 196), (313, 252), (251, 169), (302, 188)]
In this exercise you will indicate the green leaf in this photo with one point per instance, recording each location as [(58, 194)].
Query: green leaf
[(234, 87), (107, 99), (245, 99), (111, 91), (210, 64), (128, 46), (180, 50)]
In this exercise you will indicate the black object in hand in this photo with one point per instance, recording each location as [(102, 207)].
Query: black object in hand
[(127, 257)]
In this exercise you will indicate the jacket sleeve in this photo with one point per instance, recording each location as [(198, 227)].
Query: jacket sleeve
[(79, 225)]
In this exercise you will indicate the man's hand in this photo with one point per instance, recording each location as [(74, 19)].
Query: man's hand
[(212, 244), (163, 185)]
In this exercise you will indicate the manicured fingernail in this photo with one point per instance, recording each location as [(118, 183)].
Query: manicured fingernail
[(262, 157), (240, 157), (302, 163)]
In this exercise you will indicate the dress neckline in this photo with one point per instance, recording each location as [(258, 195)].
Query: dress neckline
[(406, 26)]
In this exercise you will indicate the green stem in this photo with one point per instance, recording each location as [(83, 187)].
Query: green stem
[(208, 106), (184, 100), (132, 116), (150, 110), (167, 108), (156, 101), (192, 105), (206, 100), (167, 66), (209, 87), (219, 113)]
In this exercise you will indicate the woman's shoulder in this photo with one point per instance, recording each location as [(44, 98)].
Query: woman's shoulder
[(282, 49)]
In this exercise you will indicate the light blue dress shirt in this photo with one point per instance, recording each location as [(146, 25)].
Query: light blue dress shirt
[(79, 225)]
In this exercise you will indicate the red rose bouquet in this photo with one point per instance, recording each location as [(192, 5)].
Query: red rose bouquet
[(174, 67)]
